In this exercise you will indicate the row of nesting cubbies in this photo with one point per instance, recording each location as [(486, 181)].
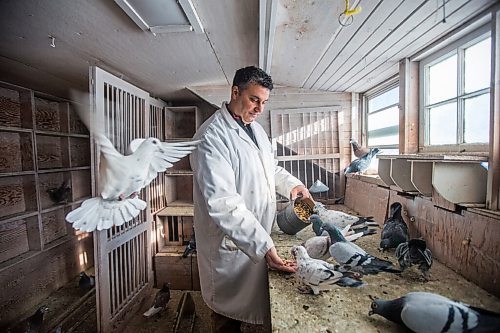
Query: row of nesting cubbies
[(174, 223), (43, 145)]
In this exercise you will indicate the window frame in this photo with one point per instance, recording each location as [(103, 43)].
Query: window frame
[(376, 91), (456, 47)]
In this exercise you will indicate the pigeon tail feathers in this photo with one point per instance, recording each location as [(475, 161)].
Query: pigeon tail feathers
[(97, 213)]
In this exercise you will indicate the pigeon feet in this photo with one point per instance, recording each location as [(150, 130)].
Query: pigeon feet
[(305, 290)]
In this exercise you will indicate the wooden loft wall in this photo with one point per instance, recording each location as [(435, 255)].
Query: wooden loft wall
[(43, 144)]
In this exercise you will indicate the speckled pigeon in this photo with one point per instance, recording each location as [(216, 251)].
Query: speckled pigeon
[(415, 252), (360, 165), (320, 275), (395, 230), (352, 257), (424, 312)]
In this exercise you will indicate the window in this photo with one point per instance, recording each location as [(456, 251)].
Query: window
[(382, 117), (456, 94)]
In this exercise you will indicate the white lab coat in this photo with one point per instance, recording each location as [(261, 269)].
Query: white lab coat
[(234, 192)]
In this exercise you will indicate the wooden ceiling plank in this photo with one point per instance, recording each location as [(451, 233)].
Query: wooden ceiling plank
[(417, 37)]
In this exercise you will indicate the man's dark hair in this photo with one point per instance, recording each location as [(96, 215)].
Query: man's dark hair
[(250, 74)]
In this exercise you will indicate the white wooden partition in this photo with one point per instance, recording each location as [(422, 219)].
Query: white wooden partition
[(306, 141), (122, 254)]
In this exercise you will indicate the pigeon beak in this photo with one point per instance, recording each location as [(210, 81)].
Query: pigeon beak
[(371, 313)]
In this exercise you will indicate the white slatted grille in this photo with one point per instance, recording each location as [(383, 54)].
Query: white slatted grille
[(307, 144), (124, 272)]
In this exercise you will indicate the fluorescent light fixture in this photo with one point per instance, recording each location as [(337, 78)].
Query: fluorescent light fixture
[(162, 16)]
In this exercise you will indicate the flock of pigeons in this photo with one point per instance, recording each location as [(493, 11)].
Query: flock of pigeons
[(421, 312), (335, 231)]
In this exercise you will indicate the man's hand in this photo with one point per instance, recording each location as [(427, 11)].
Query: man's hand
[(275, 262), (299, 189)]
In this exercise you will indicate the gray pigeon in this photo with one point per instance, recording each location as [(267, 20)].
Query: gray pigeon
[(320, 275), (360, 165), (350, 235), (424, 312), (395, 230), (341, 219), (161, 300), (318, 247), (352, 257), (357, 149), (415, 252)]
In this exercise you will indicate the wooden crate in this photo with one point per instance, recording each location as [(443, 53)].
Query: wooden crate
[(79, 151), (17, 195), (81, 185), (15, 108), (54, 225), (52, 151), (180, 122), (17, 152), (51, 115)]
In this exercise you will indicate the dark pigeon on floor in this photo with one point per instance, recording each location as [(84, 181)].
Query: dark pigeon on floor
[(34, 323), (160, 302), (395, 230), (424, 312), (415, 252), (86, 282)]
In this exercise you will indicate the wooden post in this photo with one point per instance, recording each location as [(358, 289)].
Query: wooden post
[(408, 107), (493, 183)]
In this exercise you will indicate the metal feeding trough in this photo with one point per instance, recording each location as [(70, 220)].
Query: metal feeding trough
[(289, 220)]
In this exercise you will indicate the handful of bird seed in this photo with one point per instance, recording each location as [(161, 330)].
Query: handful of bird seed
[(302, 210)]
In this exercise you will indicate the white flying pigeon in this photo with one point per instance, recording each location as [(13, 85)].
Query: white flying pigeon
[(341, 219), (160, 303), (352, 257), (121, 177), (318, 274), (424, 312)]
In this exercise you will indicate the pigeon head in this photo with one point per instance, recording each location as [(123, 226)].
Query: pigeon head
[(154, 144), (335, 233), (388, 309), (316, 223), (165, 287), (299, 252), (385, 243), (374, 151), (43, 309), (395, 210)]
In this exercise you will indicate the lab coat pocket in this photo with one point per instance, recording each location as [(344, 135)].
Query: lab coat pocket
[(228, 244)]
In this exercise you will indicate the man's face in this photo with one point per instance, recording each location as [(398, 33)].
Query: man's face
[(249, 103)]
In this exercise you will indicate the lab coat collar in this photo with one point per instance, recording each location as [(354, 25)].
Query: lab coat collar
[(234, 125)]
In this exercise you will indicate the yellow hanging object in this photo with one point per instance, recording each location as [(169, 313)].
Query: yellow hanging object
[(349, 12)]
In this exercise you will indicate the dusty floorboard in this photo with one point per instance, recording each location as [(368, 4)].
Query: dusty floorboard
[(346, 309)]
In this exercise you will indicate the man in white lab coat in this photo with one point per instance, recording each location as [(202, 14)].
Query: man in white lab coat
[(235, 184)]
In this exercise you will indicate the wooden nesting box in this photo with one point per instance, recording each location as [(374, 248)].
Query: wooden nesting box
[(177, 224)]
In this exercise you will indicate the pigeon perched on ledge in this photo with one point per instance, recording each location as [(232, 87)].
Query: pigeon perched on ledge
[(357, 149), (360, 165), (60, 194), (424, 312)]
